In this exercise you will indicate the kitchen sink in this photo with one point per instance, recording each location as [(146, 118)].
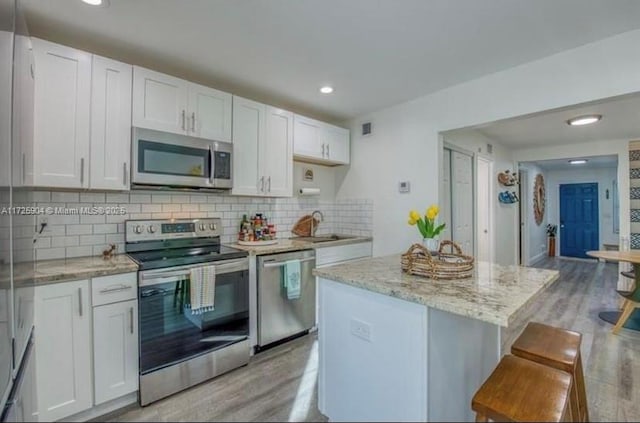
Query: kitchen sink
[(323, 238)]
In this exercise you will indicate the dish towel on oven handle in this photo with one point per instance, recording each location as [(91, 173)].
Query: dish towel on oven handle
[(291, 279), (203, 289)]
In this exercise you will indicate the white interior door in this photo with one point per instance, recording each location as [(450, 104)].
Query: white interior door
[(462, 200), (484, 208), (445, 207)]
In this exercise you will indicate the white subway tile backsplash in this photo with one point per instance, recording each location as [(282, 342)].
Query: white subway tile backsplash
[(117, 198), (65, 197), (79, 229), (92, 239), (75, 235)]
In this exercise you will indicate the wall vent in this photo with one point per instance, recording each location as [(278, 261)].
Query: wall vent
[(366, 128)]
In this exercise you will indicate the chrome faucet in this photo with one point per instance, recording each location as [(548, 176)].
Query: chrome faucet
[(313, 214)]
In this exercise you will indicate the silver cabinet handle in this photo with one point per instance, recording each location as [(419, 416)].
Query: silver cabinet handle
[(323, 150), (80, 301), (262, 184), (82, 171), (282, 263), (193, 121), (183, 120), (115, 288), (328, 153), (131, 319), (124, 173), (269, 184), (24, 167)]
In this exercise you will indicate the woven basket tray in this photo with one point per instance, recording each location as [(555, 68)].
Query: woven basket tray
[(419, 261)]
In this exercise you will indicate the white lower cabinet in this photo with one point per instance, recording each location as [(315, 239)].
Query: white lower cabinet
[(63, 349), (115, 350), (86, 344)]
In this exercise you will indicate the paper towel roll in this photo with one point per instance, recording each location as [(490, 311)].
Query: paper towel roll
[(309, 191)]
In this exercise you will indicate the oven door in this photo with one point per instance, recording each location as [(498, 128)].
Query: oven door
[(170, 333), (161, 158)]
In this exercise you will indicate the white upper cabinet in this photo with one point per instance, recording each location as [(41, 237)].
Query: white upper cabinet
[(307, 138), (209, 113), (159, 101), (110, 124), (319, 142), (336, 144), (277, 153), (262, 149), (248, 134), (62, 97), (170, 104)]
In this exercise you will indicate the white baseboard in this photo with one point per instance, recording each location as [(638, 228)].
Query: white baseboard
[(106, 408), (533, 260)]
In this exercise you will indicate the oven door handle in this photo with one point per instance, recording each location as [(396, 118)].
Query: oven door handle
[(154, 277), (268, 264)]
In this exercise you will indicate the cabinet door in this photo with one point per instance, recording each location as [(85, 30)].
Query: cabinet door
[(159, 101), (61, 115), (23, 86), (248, 133), (307, 138), (115, 350), (276, 153), (63, 349), (110, 124), (336, 143), (209, 113)]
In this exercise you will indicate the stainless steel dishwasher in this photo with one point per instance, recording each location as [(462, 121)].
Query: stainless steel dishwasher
[(278, 317)]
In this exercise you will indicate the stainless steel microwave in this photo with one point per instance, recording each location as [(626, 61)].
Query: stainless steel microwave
[(162, 159)]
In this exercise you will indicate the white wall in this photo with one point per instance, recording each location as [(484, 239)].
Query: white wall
[(505, 216), (604, 178), (537, 233), (405, 144), (323, 178)]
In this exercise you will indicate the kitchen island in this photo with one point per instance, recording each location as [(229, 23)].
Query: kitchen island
[(396, 347)]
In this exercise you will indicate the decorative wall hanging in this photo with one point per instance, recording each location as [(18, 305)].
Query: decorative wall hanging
[(507, 178), (539, 199)]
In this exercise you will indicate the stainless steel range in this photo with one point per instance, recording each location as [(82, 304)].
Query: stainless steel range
[(180, 346)]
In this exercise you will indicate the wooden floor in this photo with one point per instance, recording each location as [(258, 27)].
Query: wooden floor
[(281, 384)]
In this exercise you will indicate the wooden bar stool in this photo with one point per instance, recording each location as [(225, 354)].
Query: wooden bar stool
[(521, 390), (560, 349)]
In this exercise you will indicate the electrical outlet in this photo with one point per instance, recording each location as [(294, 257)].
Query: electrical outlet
[(361, 329)]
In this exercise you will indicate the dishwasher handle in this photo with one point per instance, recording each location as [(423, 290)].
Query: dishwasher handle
[(269, 264)]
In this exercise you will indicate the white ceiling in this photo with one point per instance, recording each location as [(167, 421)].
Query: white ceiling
[(596, 162), (620, 120), (376, 53)]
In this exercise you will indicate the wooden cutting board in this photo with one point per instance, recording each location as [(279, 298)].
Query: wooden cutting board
[(303, 225)]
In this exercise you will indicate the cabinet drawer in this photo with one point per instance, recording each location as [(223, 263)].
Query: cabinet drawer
[(114, 288), (333, 255)]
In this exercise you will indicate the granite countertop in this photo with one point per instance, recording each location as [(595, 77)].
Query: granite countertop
[(53, 271), (292, 244), (494, 294)]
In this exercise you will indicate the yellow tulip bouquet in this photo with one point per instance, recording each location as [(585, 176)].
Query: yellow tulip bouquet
[(427, 223)]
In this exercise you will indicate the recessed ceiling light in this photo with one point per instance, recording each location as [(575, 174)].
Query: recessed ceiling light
[(98, 3), (577, 162), (584, 120), (326, 89)]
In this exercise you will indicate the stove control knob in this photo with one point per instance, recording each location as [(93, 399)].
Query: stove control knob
[(138, 229), (151, 229), (212, 226), (203, 227)]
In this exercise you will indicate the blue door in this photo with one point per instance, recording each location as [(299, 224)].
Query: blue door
[(579, 230)]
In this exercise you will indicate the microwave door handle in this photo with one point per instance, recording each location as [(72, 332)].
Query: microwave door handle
[(211, 164)]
